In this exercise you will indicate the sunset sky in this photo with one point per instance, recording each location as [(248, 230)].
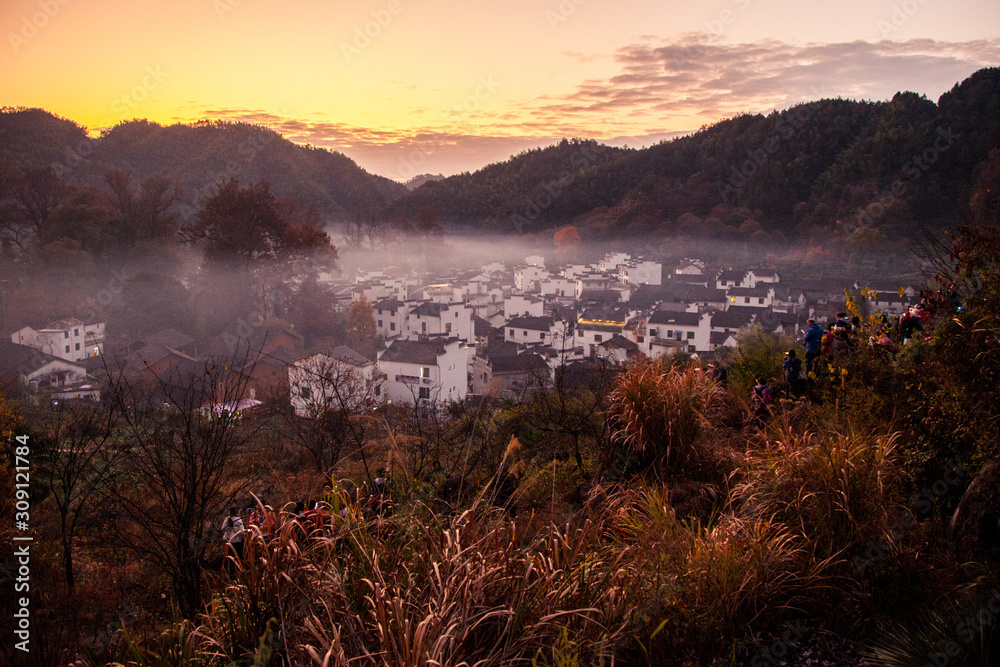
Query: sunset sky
[(412, 86)]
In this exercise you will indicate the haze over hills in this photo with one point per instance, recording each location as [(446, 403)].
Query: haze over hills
[(196, 156), (892, 165)]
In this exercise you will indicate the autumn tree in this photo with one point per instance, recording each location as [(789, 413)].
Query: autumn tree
[(182, 469), (361, 329)]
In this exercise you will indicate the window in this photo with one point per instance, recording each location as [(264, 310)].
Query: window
[(305, 393), (655, 333), (511, 333), (670, 335), (525, 334), (379, 311), (77, 347), (392, 326), (425, 372), (447, 327), (380, 323), (746, 299), (598, 338), (66, 335), (690, 335), (760, 300), (378, 390), (67, 349), (541, 335), (425, 392), (423, 327)]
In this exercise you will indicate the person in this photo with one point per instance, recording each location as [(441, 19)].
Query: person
[(792, 367), (760, 401), (828, 338), (813, 339), (842, 329), (232, 531), (909, 324)]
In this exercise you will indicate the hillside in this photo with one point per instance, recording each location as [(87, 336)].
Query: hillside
[(806, 167), (195, 156)]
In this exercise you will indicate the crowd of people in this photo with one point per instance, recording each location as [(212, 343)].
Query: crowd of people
[(841, 336)]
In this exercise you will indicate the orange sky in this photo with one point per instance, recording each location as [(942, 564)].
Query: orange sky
[(412, 86)]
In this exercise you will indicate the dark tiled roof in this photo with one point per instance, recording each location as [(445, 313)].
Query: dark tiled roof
[(522, 363), (530, 323), (681, 319), (414, 351)]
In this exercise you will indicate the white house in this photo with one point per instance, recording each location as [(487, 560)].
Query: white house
[(526, 278), (690, 267), (612, 261), (756, 297), (528, 305), (431, 318), (641, 272), (558, 286), (535, 260), (390, 317), (431, 372), (334, 379), (537, 331), (68, 339), (671, 329)]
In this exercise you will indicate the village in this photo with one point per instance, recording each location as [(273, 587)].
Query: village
[(448, 336)]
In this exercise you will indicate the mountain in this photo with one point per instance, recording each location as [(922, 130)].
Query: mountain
[(419, 180), (196, 156), (894, 165)]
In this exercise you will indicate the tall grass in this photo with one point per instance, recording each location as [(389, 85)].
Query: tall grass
[(834, 489), (661, 414)]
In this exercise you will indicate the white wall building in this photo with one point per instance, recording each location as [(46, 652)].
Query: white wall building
[(432, 372), (339, 378), (68, 339)]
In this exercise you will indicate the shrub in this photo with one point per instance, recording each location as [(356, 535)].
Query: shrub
[(661, 416)]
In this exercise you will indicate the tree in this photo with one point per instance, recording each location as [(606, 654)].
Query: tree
[(38, 192), (361, 329), (81, 453), (246, 225), (336, 398), (180, 471)]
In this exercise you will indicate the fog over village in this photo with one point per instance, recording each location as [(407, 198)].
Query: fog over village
[(552, 333)]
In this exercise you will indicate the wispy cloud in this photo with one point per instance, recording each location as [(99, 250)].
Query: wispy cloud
[(663, 88)]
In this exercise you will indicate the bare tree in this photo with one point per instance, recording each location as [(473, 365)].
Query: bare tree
[(331, 393), (81, 453), (186, 436)]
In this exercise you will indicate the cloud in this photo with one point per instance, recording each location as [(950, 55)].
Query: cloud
[(663, 88), (702, 77)]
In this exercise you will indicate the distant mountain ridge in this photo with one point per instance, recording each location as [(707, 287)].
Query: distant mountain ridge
[(879, 164), (196, 156), (890, 165)]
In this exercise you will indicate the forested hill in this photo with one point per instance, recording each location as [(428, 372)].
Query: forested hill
[(892, 165), (196, 156)]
